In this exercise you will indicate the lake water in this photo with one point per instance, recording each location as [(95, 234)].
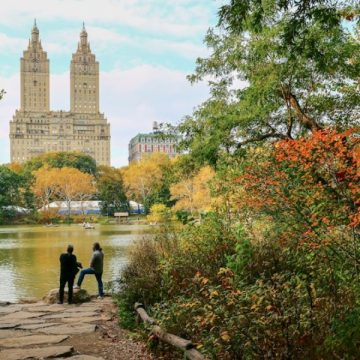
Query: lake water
[(29, 255)]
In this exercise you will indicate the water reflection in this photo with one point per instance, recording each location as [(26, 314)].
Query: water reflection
[(29, 255)]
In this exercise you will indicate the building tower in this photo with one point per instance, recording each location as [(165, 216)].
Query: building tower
[(34, 76), (84, 78), (35, 129)]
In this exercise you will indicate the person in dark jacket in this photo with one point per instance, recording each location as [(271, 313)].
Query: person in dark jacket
[(96, 268), (68, 270)]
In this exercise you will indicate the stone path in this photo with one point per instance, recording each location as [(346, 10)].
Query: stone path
[(78, 332)]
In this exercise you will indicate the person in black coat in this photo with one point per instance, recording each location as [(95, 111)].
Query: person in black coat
[(68, 270)]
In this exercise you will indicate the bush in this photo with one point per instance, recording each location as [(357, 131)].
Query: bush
[(275, 274)]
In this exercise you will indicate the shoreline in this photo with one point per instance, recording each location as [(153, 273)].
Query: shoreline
[(87, 331)]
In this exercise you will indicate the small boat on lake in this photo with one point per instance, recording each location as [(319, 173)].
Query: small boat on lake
[(88, 226)]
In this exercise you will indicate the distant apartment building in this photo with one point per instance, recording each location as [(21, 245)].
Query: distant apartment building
[(144, 144), (36, 129)]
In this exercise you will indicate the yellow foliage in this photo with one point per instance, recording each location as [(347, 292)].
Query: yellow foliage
[(15, 167), (193, 194), (225, 336), (143, 177), (45, 184), (159, 213), (66, 184), (73, 184)]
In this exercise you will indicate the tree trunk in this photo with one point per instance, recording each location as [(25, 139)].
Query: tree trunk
[(305, 119)]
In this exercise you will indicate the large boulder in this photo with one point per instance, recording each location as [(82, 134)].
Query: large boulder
[(79, 296)]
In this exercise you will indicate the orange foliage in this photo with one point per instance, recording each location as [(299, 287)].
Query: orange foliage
[(313, 182)]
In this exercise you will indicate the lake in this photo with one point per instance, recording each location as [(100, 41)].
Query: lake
[(29, 255)]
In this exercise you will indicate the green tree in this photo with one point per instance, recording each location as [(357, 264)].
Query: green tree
[(77, 160), (278, 69), (11, 185), (110, 190)]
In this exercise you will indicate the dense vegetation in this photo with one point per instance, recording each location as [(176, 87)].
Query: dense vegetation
[(28, 189), (257, 252), (270, 266)]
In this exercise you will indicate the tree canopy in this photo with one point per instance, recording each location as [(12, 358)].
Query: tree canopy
[(278, 70), (84, 163), (110, 190)]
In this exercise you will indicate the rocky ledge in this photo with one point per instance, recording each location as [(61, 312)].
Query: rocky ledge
[(85, 331)]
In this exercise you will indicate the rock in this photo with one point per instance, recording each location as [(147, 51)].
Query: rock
[(79, 296), (54, 308), (70, 315), (83, 357), (69, 329), (36, 353), (21, 341), (19, 315), (86, 319), (83, 308), (32, 300), (4, 334), (34, 326), (9, 325), (10, 309)]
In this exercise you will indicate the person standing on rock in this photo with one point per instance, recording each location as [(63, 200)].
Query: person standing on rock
[(96, 268), (68, 271)]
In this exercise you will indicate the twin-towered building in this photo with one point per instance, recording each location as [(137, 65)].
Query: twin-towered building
[(36, 129)]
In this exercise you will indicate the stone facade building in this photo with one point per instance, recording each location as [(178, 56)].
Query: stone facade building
[(145, 144), (35, 129)]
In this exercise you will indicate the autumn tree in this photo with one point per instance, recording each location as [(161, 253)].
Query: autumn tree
[(45, 185), (193, 193), (278, 70), (110, 190), (147, 181), (72, 185)]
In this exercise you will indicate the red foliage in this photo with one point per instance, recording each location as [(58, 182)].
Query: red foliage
[(313, 183)]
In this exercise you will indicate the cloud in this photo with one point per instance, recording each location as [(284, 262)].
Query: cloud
[(15, 45), (178, 18), (11, 44), (128, 38), (131, 100), (183, 48), (103, 41)]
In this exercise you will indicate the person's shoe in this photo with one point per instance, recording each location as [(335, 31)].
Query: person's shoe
[(70, 302), (100, 297), (59, 302), (76, 287)]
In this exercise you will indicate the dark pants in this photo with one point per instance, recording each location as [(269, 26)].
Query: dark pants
[(98, 276), (63, 281)]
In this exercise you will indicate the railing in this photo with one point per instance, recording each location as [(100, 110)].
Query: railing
[(185, 345)]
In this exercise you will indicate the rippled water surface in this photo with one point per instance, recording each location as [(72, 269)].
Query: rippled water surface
[(29, 255)]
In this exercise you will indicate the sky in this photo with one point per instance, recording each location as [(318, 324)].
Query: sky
[(146, 48)]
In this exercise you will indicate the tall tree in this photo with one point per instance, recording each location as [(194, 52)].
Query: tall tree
[(45, 185), (110, 190), (278, 69), (147, 181), (72, 185), (11, 192), (193, 193), (77, 160)]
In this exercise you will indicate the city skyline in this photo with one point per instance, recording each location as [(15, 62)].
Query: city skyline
[(137, 86)]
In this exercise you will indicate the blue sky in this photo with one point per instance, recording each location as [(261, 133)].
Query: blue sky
[(145, 49)]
